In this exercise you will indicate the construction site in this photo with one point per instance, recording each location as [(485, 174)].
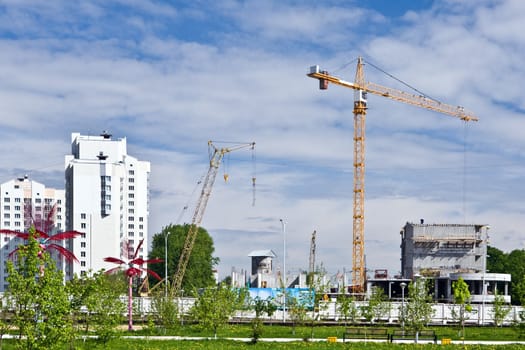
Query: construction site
[(443, 252)]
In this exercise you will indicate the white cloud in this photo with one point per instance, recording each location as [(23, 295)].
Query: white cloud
[(169, 94)]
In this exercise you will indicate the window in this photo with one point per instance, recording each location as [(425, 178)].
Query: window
[(17, 216), (17, 224), (131, 226), (131, 234), (131, 188), (131, 218), (7, 215), (141, 219), (59, 210), (108, 197), (83, 215), (17, 207), (82, 263), (6, 207), (131, 203), (131, 180), (83, 225), (38, 200), (82, 244), (83, 254), (131, 195), (7, 199), (7, 223), (17, 200), (131, 211), (141, 227), (141, 234), (59, 201), (131, 172)]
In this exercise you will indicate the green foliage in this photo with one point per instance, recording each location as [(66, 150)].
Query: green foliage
[(297, 308), (418, 309), (38, 298), (347, 309), (377, 305), (165, 310), (100, 295), (499, 310), (461, 298), (512, 263), (260, 307), (215, 305), (199, 272)]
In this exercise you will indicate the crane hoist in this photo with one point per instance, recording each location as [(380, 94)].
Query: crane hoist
[(216, 155), (361, 88)]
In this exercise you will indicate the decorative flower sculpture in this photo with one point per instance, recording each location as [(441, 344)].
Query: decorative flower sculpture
[(48, 242), (132, 267)]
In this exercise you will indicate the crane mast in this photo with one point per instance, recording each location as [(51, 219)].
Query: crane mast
[(216, 156), (311, 261), (361, 88)]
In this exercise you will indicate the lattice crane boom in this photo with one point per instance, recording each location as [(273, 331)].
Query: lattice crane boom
[(361, 88), (216, 156)]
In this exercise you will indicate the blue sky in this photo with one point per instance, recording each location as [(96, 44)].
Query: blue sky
[(171, 75)]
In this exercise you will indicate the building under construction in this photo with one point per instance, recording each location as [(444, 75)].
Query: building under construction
[(437, 250), (445, 253)]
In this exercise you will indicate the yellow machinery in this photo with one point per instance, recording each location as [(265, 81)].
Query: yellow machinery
[(216, 156), (361, 88)]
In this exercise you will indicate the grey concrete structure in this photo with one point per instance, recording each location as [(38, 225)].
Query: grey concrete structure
[(437, 250)]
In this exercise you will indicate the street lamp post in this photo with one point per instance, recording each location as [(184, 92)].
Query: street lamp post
[(403, 285), (166, 264), (283, 227)]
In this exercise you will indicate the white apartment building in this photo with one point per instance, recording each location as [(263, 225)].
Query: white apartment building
[(24, 203), (107, 200)]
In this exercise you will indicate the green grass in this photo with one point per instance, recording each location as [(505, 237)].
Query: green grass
[(127, 344), (322, 332)]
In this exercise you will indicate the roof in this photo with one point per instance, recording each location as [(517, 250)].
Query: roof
[(267, 252)]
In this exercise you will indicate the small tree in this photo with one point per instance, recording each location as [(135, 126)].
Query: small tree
[(39, 300), (214, 306), (418, 310), (461, 298), (165, 311), (377, 305), (499, 310), (346, 307), (297, 310), (260, 307)]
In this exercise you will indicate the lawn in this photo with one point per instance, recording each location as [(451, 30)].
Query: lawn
[(144, 344)]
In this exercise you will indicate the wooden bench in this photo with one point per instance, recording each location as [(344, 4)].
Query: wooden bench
[(366, 333), (426, 334)]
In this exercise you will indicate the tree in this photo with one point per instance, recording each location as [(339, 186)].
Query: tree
[(215, 305), (165, 310), (260, 307), (377, 305), (512, 263), (199, 272), (38, 297), (462, 298), (499, 310), (132, 268), (346, 307), (418, 310)]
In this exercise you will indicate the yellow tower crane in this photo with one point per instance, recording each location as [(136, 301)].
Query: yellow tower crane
[(216, 155), (361, 88)]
